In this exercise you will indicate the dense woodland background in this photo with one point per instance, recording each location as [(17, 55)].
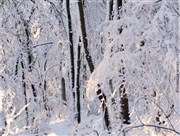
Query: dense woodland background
[(98, 67)]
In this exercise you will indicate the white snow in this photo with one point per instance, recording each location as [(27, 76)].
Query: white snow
[(60, 128), (140, 50)]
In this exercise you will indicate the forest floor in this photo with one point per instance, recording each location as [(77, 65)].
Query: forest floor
[(60, 128)]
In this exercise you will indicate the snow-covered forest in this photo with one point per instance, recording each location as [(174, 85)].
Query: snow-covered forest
[(89, 67)]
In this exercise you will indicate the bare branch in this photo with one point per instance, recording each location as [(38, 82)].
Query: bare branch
[(149, 125), (42, 44), (173, 9), (159, 108)]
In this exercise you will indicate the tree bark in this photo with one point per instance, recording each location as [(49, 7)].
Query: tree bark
[(101, 96), (70, 36), (45, 99), (78, 85), (110, 9), (124, 105), (25, 94), (63, 95), (119, 4), (103, 100), (84, 36)]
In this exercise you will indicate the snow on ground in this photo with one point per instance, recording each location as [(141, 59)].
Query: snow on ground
[(60, 128)]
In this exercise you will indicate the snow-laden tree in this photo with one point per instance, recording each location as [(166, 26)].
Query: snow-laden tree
[(32, 60), (139, 67), (124, 57)]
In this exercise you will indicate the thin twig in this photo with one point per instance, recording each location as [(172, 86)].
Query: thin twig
[(42, 44), (173, 9), (149, 125), (159, 108)]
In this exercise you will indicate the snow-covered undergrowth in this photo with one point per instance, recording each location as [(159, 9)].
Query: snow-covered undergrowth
[(135, 58), (141, 53)]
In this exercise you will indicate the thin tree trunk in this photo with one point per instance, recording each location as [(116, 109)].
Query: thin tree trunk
[(25, 94), (16, 67), (84, 36), (26, 62), (103, 100), (45, 99), (29, 56), (34, 92), (63, 95), (28, 50), (113, 101), (70, 36), (78, 85), (101, 96)]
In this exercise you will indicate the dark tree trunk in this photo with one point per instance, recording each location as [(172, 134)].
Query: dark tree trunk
[(16, 67), (84, 36), (34, 92), (27, 58), (25, 94), (87, 55), (124, 105), (119, 4), (45, 100), (111, 10), (28, 47), (63, 95), (101, 96), (78, 85), (103, 100), (44, 96), (70, 36)]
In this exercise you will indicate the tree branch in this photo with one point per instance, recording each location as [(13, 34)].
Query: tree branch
[(149, 125), (42, 44)]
